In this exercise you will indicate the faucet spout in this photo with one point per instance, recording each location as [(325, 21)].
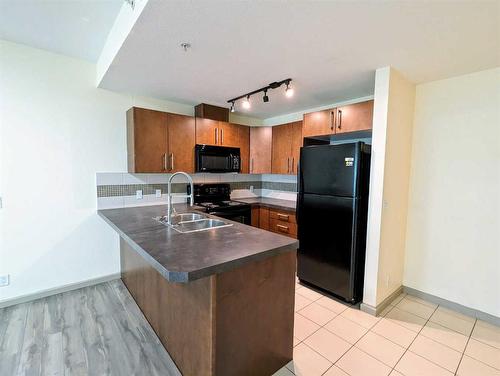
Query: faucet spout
[(169, 193)]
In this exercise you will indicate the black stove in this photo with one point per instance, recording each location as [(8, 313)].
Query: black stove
[(215, 199)]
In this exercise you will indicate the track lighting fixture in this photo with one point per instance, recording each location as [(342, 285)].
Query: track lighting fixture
[(273, 85), (265, 98), (246, 103)]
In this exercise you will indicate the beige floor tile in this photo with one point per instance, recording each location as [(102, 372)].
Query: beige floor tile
[(472, 367), (437, 353), (301, 302), (385, 311), (319, 314), (359, 317), (327, 344), (416, 308), (331, 304), (283, 372), (335, 371), (358, 363), (456, 314), (396, 373), (406, 319), (296, 341), (398, 298), (346, 329), (380, 348), (414, 365), (453, 320), (303, 327), (421, 301), (308, 293), (484, 353), (445, 336), (487, 333), (394, 332), (307, 362)]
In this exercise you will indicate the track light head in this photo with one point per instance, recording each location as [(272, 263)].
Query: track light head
[(265, 98), (232, 106), (246, 103), (289, 90)]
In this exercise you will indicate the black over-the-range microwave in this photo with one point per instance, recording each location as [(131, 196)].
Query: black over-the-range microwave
[(209, 158)]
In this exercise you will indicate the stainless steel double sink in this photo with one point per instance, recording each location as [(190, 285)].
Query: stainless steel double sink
[(192, 222)]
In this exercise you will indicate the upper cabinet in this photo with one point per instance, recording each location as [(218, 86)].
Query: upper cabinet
[(244, 145), (319, 123), (287, 140), (350, 118), (354, 117), (159, 142), (261, 141), (213, 132)]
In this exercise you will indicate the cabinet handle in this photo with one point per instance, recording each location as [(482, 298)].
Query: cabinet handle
[(283, 217), (216, 134), (332, 125), (251, 164), (222, 136), (282, 228), (165, 162), (340, 119), (288, 165), (293, 163), (172, 162)]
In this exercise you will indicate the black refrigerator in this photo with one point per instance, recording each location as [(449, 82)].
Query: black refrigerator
[(332, 207)]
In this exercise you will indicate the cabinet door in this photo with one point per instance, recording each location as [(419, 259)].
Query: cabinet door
[(264, 218), (244, 145), (181, 140), (319, 123), (354, 117), (261, 139), (146, 140), (228, 134), (255, 216), (296, 143), (281, 149), (207, 131)]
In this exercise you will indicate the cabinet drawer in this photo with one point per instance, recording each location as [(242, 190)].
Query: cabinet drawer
[(282, 216), (281, 227)]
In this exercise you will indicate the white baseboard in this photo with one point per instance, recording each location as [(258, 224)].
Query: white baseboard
[(57, 290), (375, 311)]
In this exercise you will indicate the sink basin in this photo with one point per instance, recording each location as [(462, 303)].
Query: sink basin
[(182, 217), (200, 225)]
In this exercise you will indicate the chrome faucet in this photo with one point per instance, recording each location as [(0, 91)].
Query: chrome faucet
[(170, 209)]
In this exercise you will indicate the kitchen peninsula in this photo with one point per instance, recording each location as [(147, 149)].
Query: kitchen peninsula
[(221, 301)]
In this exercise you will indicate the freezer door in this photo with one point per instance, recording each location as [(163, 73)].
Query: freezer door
[(330, 169), (326, 256)]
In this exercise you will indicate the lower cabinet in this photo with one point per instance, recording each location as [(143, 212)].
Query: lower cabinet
[(275, 220)]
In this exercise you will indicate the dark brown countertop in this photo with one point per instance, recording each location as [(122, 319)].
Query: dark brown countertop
[(273, 203), (187, 257)]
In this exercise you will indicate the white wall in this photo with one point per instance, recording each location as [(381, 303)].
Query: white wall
[(390, 170), (57, 130), (453, 233)]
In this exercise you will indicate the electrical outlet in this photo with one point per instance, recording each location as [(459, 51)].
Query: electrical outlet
[(158, 193), (251, 188), (138, 194), (4, 280)]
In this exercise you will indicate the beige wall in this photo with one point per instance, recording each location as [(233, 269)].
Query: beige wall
[(453, 232), (390, 170)]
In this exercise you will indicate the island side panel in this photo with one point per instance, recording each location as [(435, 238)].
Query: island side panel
[(254, 317), (181, 314)]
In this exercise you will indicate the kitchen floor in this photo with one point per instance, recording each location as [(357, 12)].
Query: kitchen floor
[(411, 337), (99, 330)]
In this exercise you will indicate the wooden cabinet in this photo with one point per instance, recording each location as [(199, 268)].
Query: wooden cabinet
[(181, 140), (279, 221), (207, 131), (261, 139), (244, 145), (287, 140), (146, 140), (229, 134), (354, 117), (159, 141), (350, 118), (319, 123)]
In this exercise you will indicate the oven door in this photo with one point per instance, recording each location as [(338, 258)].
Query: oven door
[(217, 159), (242, 215)]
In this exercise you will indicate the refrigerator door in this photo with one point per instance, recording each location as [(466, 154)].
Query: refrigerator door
[(327, 235), (330, 169)]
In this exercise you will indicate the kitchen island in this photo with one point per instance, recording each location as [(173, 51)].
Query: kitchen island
[(221, 300)]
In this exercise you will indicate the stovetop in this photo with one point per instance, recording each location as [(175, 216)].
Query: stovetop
[(225, 204)]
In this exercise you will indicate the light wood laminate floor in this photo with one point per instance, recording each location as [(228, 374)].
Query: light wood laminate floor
[(97, 330)]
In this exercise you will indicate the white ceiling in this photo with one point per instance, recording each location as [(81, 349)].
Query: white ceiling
[(330, 48), (76, 28)]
